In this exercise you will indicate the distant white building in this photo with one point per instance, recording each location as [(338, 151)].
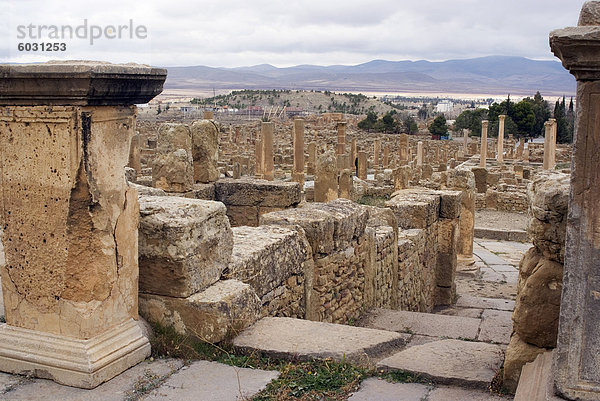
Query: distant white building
[(445, 106)]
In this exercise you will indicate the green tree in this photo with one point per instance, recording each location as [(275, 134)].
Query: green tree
[(409, 125), (541, 109), (563, 135), (369, 122), (439, 126), (471, 120)]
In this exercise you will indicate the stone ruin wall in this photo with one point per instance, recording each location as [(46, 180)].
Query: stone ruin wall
[(535, 318)]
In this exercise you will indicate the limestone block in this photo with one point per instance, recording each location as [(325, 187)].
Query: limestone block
[(202, 191), (480, 174), (143, 190), (414, 208), (253, 192), (266, 256), (205, 150), (184, 245), (172, 168), (326, 178), (518, 353), (401, 177), (318, 225), (538, 304), (219, 312), (349, 218), (243, 216), (450, 204)]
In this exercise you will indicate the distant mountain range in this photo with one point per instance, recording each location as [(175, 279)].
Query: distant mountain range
[(493, 75)]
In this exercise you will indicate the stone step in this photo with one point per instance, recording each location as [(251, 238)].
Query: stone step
[(304, 340), (427, 324), (453, 362)]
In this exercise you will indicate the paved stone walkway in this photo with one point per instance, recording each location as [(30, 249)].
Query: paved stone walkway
[(432, 345)]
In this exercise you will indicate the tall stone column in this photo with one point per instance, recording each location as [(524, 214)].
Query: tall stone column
[(419, 153), (465, 141), (298, 171), (549, 144), (266, 129), (311, 165), (483, 151), (341, 138), (376, 153), (404, 151), (71, 274), (577, 363), (258, 151), (354, 157), (386, 157), (500, 155), (362, 165)]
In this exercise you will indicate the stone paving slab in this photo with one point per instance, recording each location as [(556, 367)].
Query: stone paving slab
[(445, 393), (455, 362), (204, 380), (121, 387), (304, 339), (469, 301), (376, 389), (487, 274), (424, 323), (503, 268), (464, 312), (496, 326), (488, 257)]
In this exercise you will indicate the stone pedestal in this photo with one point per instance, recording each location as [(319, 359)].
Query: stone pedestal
[(71, 274), (298, 171), (483, 150), (500, 156), (577, 364)]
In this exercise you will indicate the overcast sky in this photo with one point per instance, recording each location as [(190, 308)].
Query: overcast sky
[(232, 33)]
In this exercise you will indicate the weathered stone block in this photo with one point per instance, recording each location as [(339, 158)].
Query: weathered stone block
[(414, 208), (172, 168), (184, 245), (205, 150), (266, 257), (252, 192), (218, 313), (318, 225), (518, 353), (450, 204)]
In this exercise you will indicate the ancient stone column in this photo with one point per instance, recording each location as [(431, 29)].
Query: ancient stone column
[(403, 149), (266, 130), (354, 157), (71, 274), (312, 159), (134, 154), (341, 138), (386, 157), (298, 170), (362, 165), (483, 150), (500, 156), (466, 141), (376, 152), (258, 151), (550, 144), (419, 153), (577, 363)]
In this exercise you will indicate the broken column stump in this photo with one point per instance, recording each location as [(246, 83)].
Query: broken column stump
[(70, 219)]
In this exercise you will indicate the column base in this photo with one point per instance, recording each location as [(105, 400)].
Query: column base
[(73, 362)]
